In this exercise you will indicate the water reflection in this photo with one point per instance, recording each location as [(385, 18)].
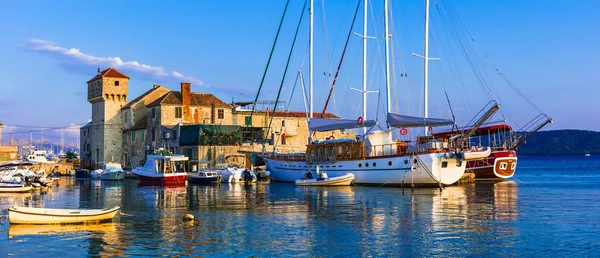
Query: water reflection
[(278, 219)]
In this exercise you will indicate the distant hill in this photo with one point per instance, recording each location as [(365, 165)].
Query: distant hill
[(561, 142)]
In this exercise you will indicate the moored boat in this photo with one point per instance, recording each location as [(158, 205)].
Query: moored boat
[(112, 171), (162, 168), (15, 187), (206, 177), (82, 173), (27, 215), (324, 180)]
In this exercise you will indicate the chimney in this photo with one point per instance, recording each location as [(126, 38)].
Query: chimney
[(185, 93), (185, 101), (98, 70)]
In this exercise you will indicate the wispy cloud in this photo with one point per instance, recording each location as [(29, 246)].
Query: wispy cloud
[(75, 60)]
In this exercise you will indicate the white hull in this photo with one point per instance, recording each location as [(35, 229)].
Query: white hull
[(235, 175), (344, 180), (395, 171), (26, 215), (113, 175)]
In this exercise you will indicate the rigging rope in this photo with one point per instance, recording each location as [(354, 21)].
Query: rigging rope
[(268, 62), (286, 68), (337, 72)]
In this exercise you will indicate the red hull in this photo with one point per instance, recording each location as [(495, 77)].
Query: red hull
[(499, 165), (179, 179)]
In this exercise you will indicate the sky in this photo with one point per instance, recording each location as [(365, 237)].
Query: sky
[(545, 48)]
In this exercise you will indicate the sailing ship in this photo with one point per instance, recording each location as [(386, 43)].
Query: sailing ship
[(374, 158)]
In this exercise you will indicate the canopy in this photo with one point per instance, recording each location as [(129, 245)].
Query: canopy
[(330, 124), (396, 120)]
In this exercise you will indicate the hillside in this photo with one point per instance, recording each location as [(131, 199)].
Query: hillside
[(562, 142)]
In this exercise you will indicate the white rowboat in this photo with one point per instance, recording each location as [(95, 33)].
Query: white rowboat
[(26, 215), (343, 180)]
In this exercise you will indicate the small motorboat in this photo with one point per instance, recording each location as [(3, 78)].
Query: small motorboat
[(82, 173), (96, 174), (324, 180), (204, 177), (15, 187), (476, 154), (112, 171), (55, 175), (162, 168), (26, 215)]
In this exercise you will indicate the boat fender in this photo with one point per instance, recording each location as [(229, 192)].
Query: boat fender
[(188, 217), (449, 155)]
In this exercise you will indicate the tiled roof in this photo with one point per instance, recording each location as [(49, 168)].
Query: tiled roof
[(142, 124), (196, 99), (110, 72)]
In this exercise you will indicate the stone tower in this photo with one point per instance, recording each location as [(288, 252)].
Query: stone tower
[(107, 92)]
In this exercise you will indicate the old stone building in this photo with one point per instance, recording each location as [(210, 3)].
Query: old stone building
[(151, 121), (125, 132), (107, 92), (7, 152)]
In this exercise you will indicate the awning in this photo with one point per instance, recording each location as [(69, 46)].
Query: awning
[(396, 120), (329, 124)]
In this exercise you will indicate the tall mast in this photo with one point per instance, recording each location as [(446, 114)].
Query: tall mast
[(426, 73), (387, 59), (364, 90), (310, 59)]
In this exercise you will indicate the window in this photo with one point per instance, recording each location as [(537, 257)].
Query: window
[(177, 112), (248, 120), (282, 123), (153, 134), (153, 113), (220, 114), (133, 135), (513, 166), (503, 165), (116, 83), (444, 164)]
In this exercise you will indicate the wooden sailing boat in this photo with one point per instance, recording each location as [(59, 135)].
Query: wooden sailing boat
[(374, 158)]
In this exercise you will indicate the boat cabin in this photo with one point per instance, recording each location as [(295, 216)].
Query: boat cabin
[(162, 164)]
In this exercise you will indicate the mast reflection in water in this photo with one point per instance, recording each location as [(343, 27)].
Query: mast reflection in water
[(278, 219)]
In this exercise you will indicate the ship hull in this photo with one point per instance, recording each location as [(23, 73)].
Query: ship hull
[(379, 171), (498, 166)]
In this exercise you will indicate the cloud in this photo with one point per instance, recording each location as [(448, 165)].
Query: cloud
[(74, 60)]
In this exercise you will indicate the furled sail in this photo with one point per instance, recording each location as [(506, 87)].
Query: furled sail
[(328, 124), (396, 120)]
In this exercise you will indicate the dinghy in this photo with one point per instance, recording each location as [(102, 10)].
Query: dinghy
[(14, 188), (26, 215), (324, 180)]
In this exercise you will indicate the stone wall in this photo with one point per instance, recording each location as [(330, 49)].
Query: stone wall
[(8, 153)]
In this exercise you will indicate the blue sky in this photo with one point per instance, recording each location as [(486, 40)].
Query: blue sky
[(547, 48)]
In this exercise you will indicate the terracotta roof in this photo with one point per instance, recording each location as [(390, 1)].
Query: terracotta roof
[(298, 114), (141, 97), (142, 124), (110, 72), (196, 99)]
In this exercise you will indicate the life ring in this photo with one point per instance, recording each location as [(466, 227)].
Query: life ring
[(331, 138), (403, 131), (360, 120), (431, 129)]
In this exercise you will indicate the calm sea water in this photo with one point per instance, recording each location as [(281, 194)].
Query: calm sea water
[(551, 208)]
